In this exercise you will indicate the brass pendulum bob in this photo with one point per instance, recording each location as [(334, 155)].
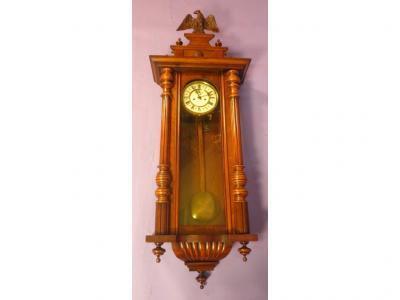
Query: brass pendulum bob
[(203, 206)]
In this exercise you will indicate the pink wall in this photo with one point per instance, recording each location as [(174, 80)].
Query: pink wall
[(243, 26)]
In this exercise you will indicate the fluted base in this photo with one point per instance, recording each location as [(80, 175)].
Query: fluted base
[(202, 256), (201, 253)]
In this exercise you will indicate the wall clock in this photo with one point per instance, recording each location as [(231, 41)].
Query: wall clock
[(200, 97), (201, 206)]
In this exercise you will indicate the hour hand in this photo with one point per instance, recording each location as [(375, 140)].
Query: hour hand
[(197, 93)]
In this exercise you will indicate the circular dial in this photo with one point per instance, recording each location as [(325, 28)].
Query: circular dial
[(200, 97)]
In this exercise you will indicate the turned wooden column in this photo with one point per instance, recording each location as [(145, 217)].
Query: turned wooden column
[(241, 222), (163, 178)]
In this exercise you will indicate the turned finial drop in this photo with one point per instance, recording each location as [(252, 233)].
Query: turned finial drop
[(202, 279), (158, 251), (244, 250), (179, 42)]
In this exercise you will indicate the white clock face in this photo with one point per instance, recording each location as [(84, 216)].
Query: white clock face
[(200, 97)]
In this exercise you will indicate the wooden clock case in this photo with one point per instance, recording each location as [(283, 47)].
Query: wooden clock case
[(202, 248)]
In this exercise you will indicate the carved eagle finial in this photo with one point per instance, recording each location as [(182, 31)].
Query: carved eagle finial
[(199, 23)]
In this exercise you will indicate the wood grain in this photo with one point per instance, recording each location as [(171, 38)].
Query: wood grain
[(200, 246)]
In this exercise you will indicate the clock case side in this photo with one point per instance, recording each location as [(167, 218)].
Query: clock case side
[(178, 66)]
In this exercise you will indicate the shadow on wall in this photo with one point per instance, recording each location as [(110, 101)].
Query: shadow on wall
[(254, 123), (253, 108)]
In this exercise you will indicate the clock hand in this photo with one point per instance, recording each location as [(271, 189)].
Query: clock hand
[(198, 94)]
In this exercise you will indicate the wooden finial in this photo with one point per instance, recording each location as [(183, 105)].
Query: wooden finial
[(244, 250), (218, 43), (202, 279), (179, 42), (158, 251)]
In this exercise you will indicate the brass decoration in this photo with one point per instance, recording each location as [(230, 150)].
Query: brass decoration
[(199, 23), (200, 97)]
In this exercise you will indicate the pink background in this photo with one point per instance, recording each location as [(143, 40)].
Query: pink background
[(243, 26)]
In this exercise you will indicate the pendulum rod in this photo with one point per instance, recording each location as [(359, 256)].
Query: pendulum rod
[(202, 161)]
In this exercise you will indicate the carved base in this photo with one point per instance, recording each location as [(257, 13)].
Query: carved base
[(204, 269), (201, 266), (202, 256), (201, 251)]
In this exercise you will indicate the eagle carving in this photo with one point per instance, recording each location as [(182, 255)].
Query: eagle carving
[(199, 23)]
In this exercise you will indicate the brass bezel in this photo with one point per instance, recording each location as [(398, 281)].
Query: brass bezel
[(205, 83)]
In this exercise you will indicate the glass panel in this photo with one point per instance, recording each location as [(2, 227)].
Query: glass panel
[(201, 170)]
